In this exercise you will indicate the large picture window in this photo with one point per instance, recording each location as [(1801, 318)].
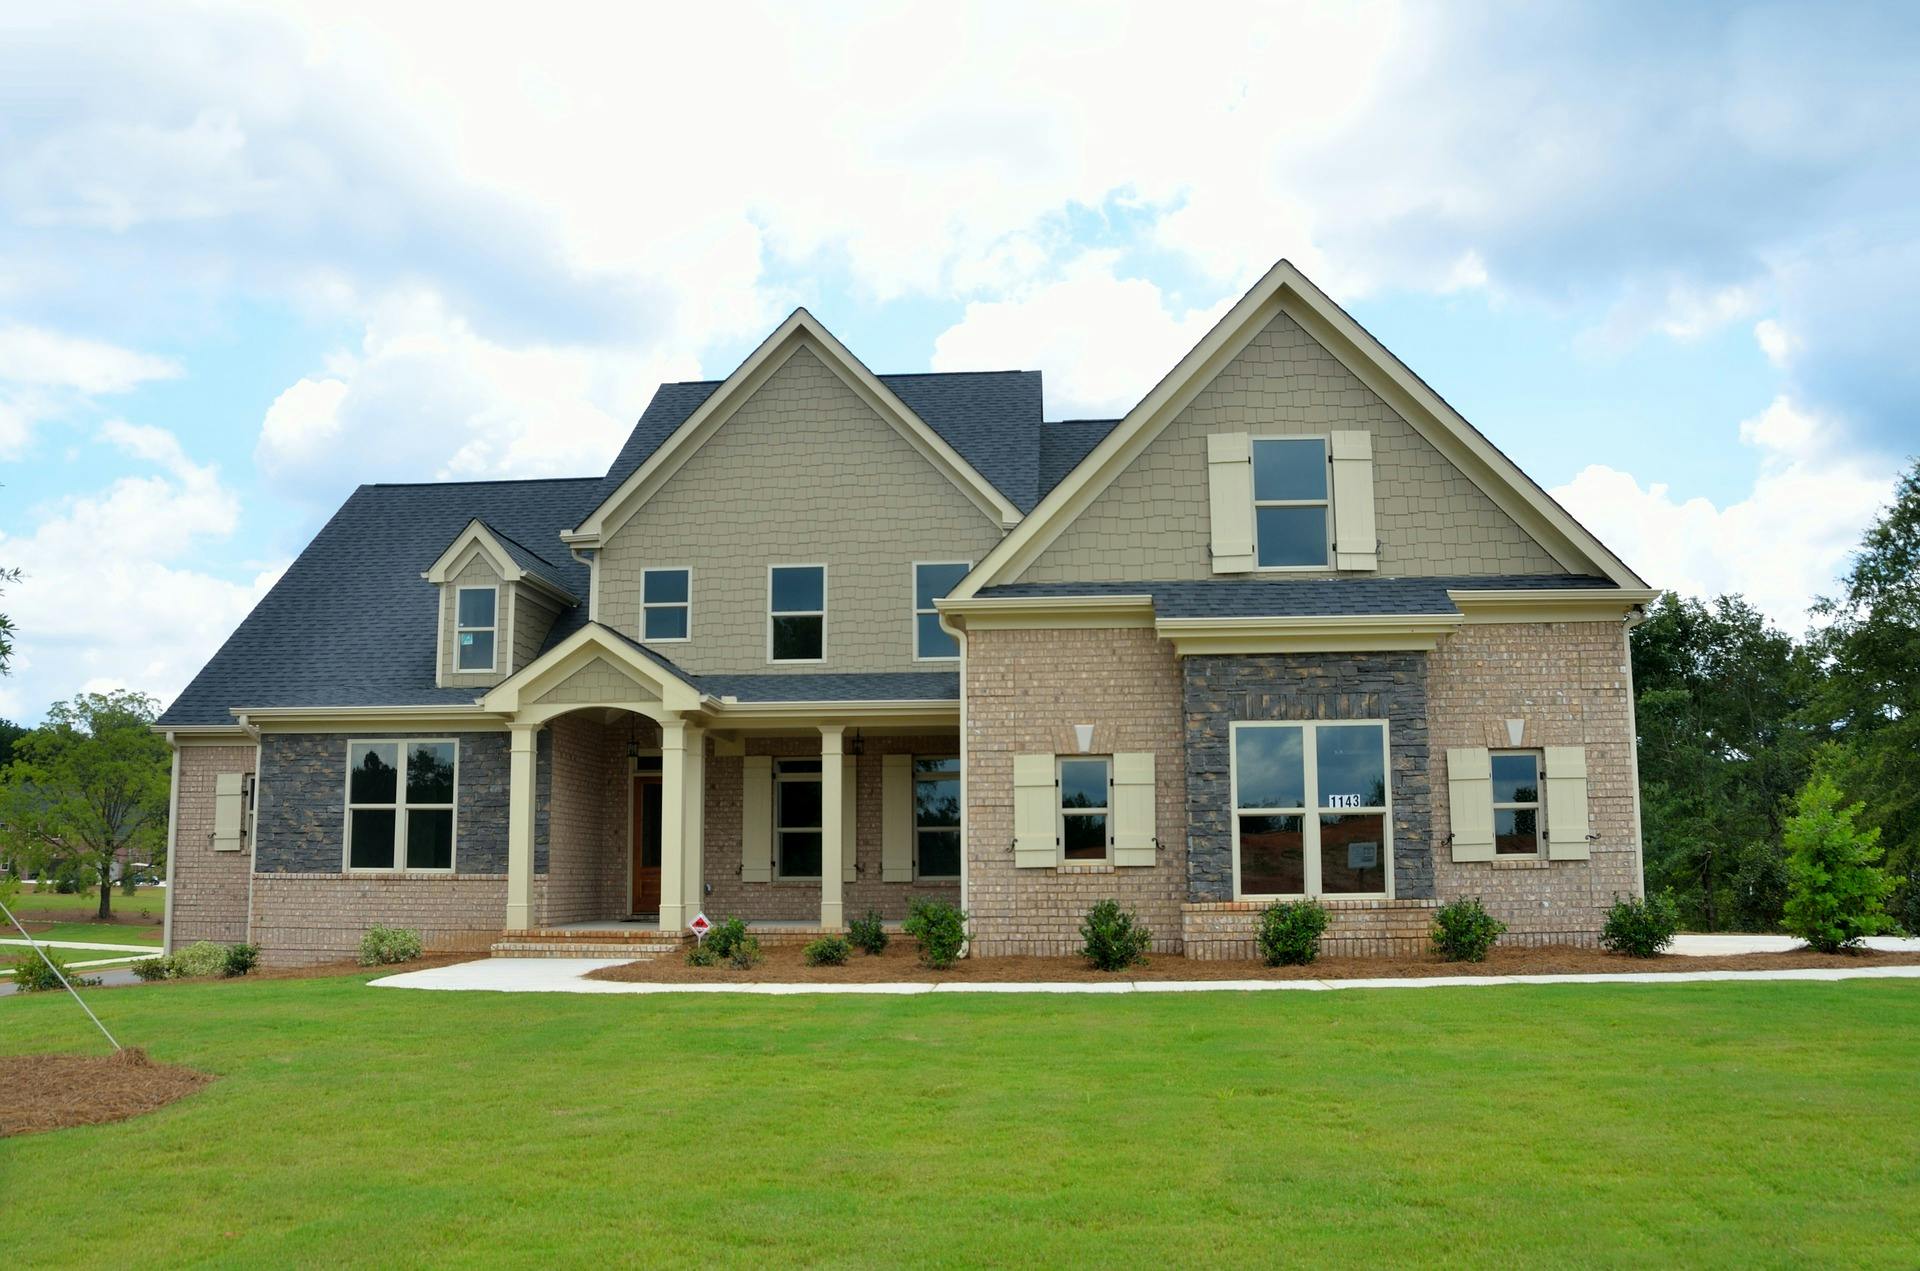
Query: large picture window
[(401, 822), (1291, 511), (931, 641), (475, 615), (797, 613), (796, 818), (1312, 810), (936, 818)]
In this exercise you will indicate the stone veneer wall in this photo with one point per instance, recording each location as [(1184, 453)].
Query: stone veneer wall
[(588, 853), (778, 901), (1570, 683), (1220, 690), (1025, 692), (209, 888)]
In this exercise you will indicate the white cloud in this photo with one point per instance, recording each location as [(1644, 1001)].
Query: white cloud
[(49, 359), (1102, 340), (1780, 546), (1775, 341)]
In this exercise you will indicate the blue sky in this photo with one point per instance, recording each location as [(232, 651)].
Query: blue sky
[(1664, 257)]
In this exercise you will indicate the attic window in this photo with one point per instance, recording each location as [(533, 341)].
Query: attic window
[(1290, 505), (475, 627)]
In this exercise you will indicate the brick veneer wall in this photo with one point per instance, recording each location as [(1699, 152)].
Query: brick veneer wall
[(1303, 686), (800, 901), (1569, 682), (1355, 928), (587, 872), (1025, 692), (209, 888), (300, 919)]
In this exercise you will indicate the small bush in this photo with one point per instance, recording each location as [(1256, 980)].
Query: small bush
[(940, 928), (241, 958), (383, 946), (868, 933), (198, 960), (1836, 890), (1463, 930), (1113, 939), (702, 954), (726, 944), (1290, 932), (827, 951), (1640, 928), (31, 974), (727, 935), (151, 969)]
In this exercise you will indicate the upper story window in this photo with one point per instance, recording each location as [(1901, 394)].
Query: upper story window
[(396, 824), (1311, 809), (931, 581), (1291, 511), (666, 604), (476, 610), (1085, 828), (797, 613), (1516, 802)]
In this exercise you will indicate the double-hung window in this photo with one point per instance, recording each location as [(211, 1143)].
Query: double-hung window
[(797, 613), (936, 818), (397, 821), (931, 581), (475, 614), (796, 818), (1516, 802), (1312, 813), (666, 604), (1086, 831), (1292, 515)]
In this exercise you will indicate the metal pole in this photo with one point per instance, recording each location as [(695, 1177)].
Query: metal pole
[(58, 974)]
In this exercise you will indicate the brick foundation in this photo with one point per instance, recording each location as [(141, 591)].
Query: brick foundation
[(1219, 930), (300, 919)]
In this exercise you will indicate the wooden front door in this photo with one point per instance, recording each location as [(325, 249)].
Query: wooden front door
[(646, 845)]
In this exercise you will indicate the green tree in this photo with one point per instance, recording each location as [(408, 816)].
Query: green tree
[(10, 732), (1836, 890), (1872, 643), (87, 787), (1727, 735), (6, 623)]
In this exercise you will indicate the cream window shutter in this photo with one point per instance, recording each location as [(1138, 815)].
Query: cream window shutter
[(756, 818), (1036, 843), (1470, 803), (849, 818), (1230, 491), (1566, 803), (1133, 809), (1356, 545), (896, 818), (229, 810)]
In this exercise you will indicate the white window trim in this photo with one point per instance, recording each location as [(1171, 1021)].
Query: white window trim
[(1326, 454), (459, 630), (686, 604), (1060, 813), (1310, 814), (913, 600), (1539, 806), (920, 875), (780, 828), (400, 807), (826, 600)]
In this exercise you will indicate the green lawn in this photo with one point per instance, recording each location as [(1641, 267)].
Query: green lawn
[(1709, 1124), (92, 933), (153, 900)]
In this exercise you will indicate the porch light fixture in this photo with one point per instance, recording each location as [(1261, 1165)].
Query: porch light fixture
[(856, 744), (633, 743), (1083, 737)]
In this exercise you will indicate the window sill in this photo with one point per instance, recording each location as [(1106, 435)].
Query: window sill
[(1084, 867), (1521, 862)]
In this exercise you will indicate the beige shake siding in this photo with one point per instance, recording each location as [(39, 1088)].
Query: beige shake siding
[(803, 473), (534, 612), (1152, 522)]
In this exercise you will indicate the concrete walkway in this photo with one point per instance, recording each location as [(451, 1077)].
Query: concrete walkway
[(154, 949), (565, 975), (1714, 946)]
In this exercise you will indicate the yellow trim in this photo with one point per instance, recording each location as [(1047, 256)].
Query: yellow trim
[(1315, 633), (517, 695), (728, 714), (1026, 613), (1572, 605), (354, 719)]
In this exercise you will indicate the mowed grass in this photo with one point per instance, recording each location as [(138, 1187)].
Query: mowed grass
[(43, 900), (93, 933), (1708, 1124)]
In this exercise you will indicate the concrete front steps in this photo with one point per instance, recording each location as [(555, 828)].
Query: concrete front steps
[(621, 946)]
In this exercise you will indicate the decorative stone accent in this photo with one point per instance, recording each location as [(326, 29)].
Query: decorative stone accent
[(1220, 690)]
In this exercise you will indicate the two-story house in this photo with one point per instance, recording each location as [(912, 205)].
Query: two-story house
[(822, 641)]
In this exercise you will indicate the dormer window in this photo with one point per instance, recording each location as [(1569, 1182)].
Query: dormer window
[(477, 610)]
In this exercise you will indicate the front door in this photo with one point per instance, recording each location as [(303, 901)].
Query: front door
[(646, 845)]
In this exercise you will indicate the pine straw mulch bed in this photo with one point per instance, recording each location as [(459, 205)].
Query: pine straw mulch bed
[(782, 964), (51, 1092), (317, 971)]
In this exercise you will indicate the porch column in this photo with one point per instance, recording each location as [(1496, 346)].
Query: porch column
[(673, 819), (694, 823), (520, 800), (831, 829)]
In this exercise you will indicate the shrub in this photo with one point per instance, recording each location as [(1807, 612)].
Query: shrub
[(1290, 932), (383, 946), (241, 959), (152, 969), (727, 943), (1836, 890), (31, 974), (197, 960), (1463, 930), (746, 953), (727, 935), (702, 954), (1113, 939), (1640, 928), (940, 928), (868, 934), (827, 951)]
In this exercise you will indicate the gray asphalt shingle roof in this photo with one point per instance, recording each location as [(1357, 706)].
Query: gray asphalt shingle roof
[(1064, 443), (1301, 597), (531, 561)]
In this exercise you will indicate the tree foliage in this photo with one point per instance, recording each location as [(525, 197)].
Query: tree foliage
[(87, 787), (1836, 890), (6, 624)]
